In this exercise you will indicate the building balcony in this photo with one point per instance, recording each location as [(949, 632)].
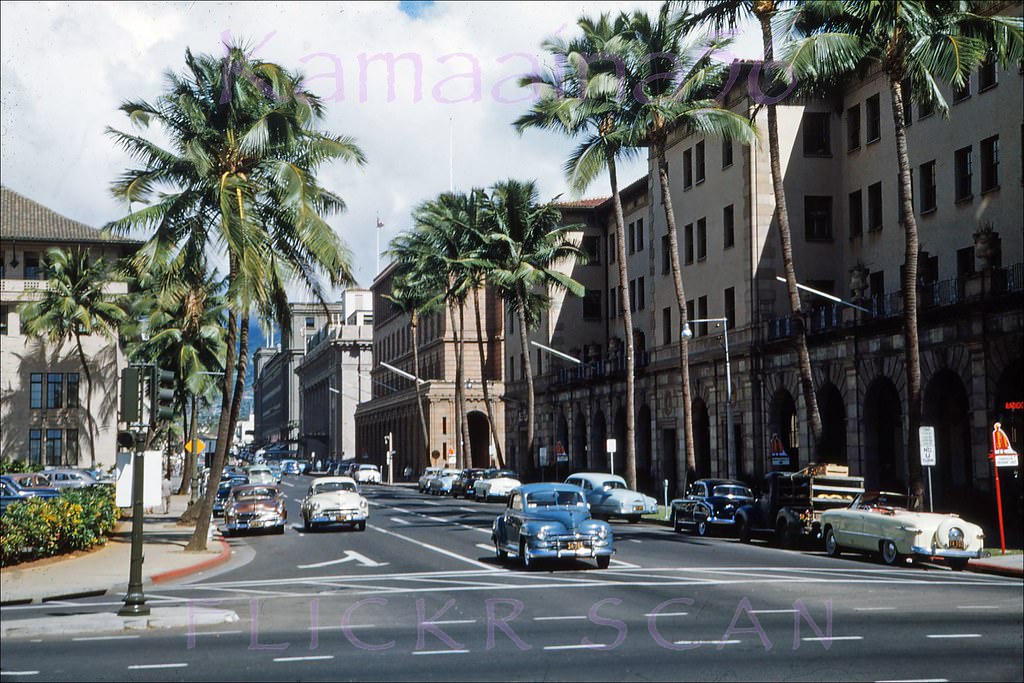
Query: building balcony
[(31, 290)]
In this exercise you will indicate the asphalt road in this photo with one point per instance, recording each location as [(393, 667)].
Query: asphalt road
[(419, 595)]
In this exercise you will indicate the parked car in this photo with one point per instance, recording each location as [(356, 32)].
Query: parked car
[(334, 500), (609, 496), (12, 492), (464, 484), (709, 504), (260, 474), (102, 476), (275, 469), (224, 492), (496, 483), (551, 521), (427, 475), (30, 480), (881, 522), (367, 474), (69, 478), (441, 485), (255, 506), (290, 467)]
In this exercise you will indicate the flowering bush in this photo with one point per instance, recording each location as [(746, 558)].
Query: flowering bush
[(38, 527)]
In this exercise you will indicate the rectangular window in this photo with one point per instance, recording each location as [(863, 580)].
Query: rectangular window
[(71, 446), (726, 153), (817, 134), (856, 207), (54, 390), (702, 314), (730, 307), (632, 296), (817, 218), (699, 161), (690, 313), (873, 112), (666, 257), (990, 164), (965, 261), (631, 238), (987, 77), (4, 312), (666, 326), (54, 446), (310, 322), (962, 92), (613, 303), (925, 109), (728, 229), (592, 304), (641, 294), (73, 390), (591, 247), (875, 207), (511, 368), (612, 248), (853, 128), (688, 243), (876, 282), (907, 93), (35, 446), (688, 169), (702, 239), (927, 183), (962, 164), (639, 234), (33, 271)]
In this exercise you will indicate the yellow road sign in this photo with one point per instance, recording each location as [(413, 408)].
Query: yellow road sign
[(195, 446)]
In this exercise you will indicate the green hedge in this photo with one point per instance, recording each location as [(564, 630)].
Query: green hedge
[(77, 520), (8, 466)]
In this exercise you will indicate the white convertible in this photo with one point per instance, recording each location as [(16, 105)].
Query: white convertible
[(496, 484), (882, 523), (334, 500)]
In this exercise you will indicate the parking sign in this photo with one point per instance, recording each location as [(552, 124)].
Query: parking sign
[(926, 436)]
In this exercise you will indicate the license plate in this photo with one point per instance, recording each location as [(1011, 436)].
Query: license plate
[(958, 545), (574, 545), (638, 508)]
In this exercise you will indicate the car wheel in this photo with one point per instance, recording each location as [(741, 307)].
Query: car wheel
[(361, 526), (676, 526), (279, 530), (958, 564), (831, 545), (744, 530), (501, 554), (524, 555), (783, 535), (890, 555), (702, 527), (603, 561), (633, 519), (306, 526)]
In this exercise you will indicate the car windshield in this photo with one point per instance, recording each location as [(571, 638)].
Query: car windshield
[(614, 484), (882, 501), (494, 474), (554, 498), (252, 494), (731, 490), (334, 486)]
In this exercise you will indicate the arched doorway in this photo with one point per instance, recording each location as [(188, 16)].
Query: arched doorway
[(479, 439), (833, 425), (884, 462), (645, 475), (701, 438), (784, 423), (946, 409), (579, 443), (599, 435)]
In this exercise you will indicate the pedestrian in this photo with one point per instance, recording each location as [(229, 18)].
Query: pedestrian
[(166, 493)]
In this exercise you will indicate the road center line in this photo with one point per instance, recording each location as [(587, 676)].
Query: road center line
[(580, 646), (772, 611), (85, 638), (915, 680), (873, 609), (441, 652), (954, 635), (977, 606), (565, 618), (311, 658), (339, 627), (451, 622), (829, 639), (707, 642), (666, 614), (19, 673), (175, 665), (436, 549)]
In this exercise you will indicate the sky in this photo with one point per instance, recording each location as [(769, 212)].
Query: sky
[(443, 119)]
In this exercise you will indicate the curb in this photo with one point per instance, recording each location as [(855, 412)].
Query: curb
[(986, 568), (163, 577)]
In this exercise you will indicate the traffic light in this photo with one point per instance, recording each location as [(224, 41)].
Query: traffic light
[(126, 440), (163, 393), (130, 395)]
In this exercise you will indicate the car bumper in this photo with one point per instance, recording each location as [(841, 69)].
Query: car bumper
[(338, 517), (243, 525), (946, 552), (564, 553)]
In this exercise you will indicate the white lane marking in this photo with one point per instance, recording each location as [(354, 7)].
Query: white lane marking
[(430, 502), (84, 638), (772, 611), (339, 627), (559, 618), (400, 520), (175, 665), (436, 549), (666, 614), (350, 556), (581, 646), (635, 540), (626, 565), (218, 633), (954, 635), (441, 652), (828, 639), (288, 484), (451, 622), (432, 519), (311, 658), (19, 673), (468, 510), (707, 642), (915, 680), (484, 546), (873, 609), (977, 606)]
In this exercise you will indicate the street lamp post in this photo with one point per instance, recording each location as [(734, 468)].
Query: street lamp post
[(730, 452), (331, 428)]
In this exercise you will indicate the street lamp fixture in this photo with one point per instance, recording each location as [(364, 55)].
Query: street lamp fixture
[(730, 451), (830, 297), (403, 373), (558, 353)]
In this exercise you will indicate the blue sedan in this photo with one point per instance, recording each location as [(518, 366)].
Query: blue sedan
[(551, 521)]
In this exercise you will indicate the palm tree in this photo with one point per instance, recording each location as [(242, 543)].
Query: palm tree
[(529, 243), (729, 13), (239, 178), (677, 94), (74, 306), (926, 44), (584, 99)]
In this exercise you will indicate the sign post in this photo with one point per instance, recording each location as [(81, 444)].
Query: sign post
[(1002, 455), (610, 447), (926, 437), (195, 447)]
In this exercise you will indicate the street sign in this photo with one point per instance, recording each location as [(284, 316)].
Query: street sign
[(195, 446), (542, 455), (926, 436), (451, 456), (560, 454), (609, 445), (1006, 460)]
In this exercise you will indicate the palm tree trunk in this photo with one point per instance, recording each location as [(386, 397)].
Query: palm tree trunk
[(785, 237), (525, 464), (483, 376), (89, 421), (459, 415), (686, 461), (419, 401), (188, 471), (467, 456), (629, 448), (911, 348), (239, 391)]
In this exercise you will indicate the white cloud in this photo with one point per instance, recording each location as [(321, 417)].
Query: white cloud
[(66, 68)]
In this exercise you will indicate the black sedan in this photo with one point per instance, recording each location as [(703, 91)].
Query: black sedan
[(710, 503), (465, 484)]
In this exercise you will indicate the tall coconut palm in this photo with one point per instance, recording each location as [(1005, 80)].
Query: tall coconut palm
[(75, 306), (239, 178), (674, 79), (584, 98), (924, 43), (729, 13), (529, 243)]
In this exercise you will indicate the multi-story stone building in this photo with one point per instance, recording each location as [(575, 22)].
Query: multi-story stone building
[(393, 406), (43, 414), (840, 168)]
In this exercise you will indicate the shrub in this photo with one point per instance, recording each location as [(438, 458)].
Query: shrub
[(76, 520), (9, 466)]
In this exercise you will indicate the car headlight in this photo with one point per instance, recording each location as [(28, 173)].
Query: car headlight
[(602, 531), (542, 533)]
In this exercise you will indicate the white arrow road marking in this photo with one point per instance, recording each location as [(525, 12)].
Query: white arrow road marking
[(350, 556), (628, 565), (400, 520), (485, 547)]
